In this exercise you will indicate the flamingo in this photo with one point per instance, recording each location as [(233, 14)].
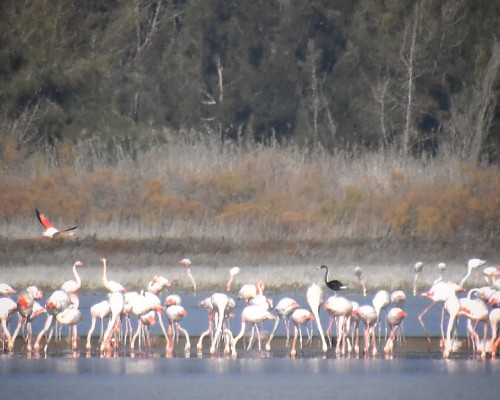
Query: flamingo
[(369, 316), (254, 315), (207, 304), (50, 230), (6, 290), (395, 318), (380, 302), (358, 271), (72, 286), (117, 306), (141, 306), (442, 268), (186, 263), (419, 266), (111, 286), (175, 314), (472, 265), (157, 284), (494, 318), (251, 290), (71, 316), (340, 310), (57, 302), (284, 309), (398, 298), (299, 317), (7, 308), (232, 273), (220, 302), (452, 306), (477, 311), (100, 310), (438, 293), (314, 297), (333, 284), (25, 303)]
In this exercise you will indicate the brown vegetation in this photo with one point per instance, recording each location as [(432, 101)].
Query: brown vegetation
[(185, 189)]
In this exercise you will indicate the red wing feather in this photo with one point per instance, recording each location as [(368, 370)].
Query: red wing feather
[(43, 220)]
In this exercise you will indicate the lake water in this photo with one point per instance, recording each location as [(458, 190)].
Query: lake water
[(416, 370)]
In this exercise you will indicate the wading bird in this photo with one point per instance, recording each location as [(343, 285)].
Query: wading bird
[(333, 284)]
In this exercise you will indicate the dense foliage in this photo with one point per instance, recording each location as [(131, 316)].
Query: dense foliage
[(410, 76)]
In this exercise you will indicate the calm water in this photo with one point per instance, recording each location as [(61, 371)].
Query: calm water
[(247, 378), (416, 370)]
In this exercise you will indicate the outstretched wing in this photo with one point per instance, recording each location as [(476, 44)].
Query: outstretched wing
[(43, 220), (70, 229)]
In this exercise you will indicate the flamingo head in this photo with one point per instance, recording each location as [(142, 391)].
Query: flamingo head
[(102, 261), (185, 262), (419, 265), (78, 264)]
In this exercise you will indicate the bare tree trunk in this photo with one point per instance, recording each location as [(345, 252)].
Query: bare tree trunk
[(380, 95), (409, 61), (485, 95)]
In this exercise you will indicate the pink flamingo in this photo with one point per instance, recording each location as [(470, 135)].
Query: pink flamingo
[(284, 309), (6, 290), (72, 286), (476, 311), (117, 305), (251, 315), (299, 317), (395, 318), (50, 230), (314, 298), (8, 308), (369, 316), (175, 314), (141, 306), (100, 310), (25, 303), (340, 310), (232, 273), (111, 286), (71, 316), (186, 263)]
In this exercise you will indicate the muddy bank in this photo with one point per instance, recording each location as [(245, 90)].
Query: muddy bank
[(225, 252)]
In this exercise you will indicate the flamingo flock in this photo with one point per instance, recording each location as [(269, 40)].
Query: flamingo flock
[(126, 317)]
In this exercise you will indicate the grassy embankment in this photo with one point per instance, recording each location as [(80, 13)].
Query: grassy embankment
[(250, 204)]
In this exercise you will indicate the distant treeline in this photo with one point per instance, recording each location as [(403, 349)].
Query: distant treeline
[(418, 78)]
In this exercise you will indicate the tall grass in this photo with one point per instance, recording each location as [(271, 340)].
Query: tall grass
[(197, 186)]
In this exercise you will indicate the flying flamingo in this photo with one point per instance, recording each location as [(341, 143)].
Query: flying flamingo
[(358, 271), (472, 265), (111, 286), (253, 315), (232, 273), (314, 297), (419, 266), (284, 309), (395, 318), (333, 284), (50, 230), (299, 317), (72, 286), (186, 263), (100, 310)]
